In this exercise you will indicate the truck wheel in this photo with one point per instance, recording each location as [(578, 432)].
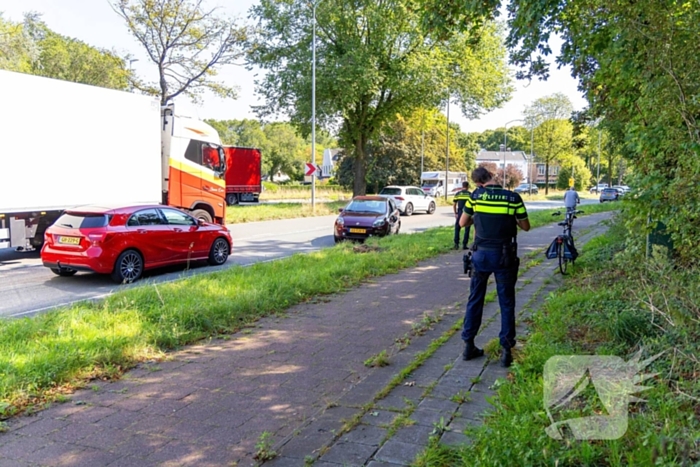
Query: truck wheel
[(63, 272), (231, 199), (408, 210), (219, 251), (203, 215), (431, 208), (128, 267)]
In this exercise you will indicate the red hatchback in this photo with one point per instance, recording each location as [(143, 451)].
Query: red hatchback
[(124, 242)]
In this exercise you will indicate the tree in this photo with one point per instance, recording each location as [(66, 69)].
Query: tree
[(553, 130), (17, 49), (69, 59), (31, 47), (394, 157), (285, 150), (187, 42), (637, 64), (375, 60), (518, 139)]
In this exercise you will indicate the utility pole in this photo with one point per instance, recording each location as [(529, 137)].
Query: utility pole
[(447, 153), (422, 146), (313, 110)]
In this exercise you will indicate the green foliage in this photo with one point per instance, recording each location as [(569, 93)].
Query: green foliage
[(394, 158), (31, 47), (374, 61), (517, 139), (17, 49), (576, 167), (638, 72), (186, 43), (283, 149)]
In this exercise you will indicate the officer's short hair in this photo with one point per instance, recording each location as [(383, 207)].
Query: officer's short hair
[(481, 175), (465, 184)]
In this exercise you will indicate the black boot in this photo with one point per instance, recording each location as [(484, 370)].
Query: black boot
[(506, 357), (471, 351)]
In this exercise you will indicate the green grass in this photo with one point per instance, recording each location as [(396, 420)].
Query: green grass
[(44, 355), (615, 304), (265, 212)]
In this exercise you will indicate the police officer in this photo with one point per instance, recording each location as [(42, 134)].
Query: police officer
[(496, 213), (457, 205)]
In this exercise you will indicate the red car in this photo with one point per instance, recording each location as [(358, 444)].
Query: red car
[(126, 241), (367, 216)]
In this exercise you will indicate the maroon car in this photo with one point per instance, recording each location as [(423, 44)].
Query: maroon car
[(126, 241), (367, 216)]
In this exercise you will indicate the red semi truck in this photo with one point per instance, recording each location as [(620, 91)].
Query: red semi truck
[(243, 175)]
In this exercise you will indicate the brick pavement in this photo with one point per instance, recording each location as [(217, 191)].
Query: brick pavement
[(298, 377)]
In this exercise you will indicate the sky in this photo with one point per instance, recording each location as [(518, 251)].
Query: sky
[(94, 22)]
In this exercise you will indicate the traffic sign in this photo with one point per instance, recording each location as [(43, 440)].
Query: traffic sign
[(311, 169)]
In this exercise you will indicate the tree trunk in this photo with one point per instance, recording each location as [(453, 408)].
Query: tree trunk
[(359, 184)]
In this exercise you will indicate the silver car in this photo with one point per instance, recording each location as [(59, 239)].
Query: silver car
[(409, 199)]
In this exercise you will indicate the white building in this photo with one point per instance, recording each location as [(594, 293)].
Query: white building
[(501, 158)]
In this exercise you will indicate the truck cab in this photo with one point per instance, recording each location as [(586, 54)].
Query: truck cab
[(194, 167)]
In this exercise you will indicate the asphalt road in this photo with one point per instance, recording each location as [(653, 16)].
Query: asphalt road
[(27, 287)]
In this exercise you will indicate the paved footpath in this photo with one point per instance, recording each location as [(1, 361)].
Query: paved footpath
[(296, 384)]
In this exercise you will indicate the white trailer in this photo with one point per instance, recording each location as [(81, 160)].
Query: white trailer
[(64, 144), (434, 183)]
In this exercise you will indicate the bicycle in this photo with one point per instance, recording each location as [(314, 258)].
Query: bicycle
[(563, 246)]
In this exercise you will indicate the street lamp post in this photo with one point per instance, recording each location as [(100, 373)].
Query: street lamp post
[(532, 156), (597, 176), (447, 153), (313, 109)]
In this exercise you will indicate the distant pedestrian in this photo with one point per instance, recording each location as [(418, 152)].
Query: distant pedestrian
[(460, 198), (571, 199), (496, 214)]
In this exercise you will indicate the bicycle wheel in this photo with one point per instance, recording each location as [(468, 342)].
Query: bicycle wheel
[(563, 262)]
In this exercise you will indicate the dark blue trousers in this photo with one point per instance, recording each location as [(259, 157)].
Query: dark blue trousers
[(486, 262), (466, 233)]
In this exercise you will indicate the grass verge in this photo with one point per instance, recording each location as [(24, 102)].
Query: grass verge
[(616, 303), (42, 356), (276, 211)]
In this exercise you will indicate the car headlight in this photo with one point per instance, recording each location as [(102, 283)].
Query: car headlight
[(340, 221), (379, 223)]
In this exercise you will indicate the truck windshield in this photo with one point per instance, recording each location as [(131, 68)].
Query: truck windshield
[(430, 182)]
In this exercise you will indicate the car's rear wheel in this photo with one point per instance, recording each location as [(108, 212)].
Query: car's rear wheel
[(219, 252), (409, 210), (431, 207), (203, 215), (337, 239), (231, 199), (128, 267), (63, 272)]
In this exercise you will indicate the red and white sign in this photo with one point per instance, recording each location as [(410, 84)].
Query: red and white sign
[(311, 169)]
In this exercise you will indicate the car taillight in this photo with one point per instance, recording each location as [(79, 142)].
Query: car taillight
[(48, 238), (400, 198)]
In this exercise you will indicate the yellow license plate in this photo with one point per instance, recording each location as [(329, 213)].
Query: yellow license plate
[(69, 240), (358, 231)]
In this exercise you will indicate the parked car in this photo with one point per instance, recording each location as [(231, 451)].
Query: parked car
[(609, 194), (367, 216), (126, 241), (409, 199), (526, 188), (599, 187), (623, 188)]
